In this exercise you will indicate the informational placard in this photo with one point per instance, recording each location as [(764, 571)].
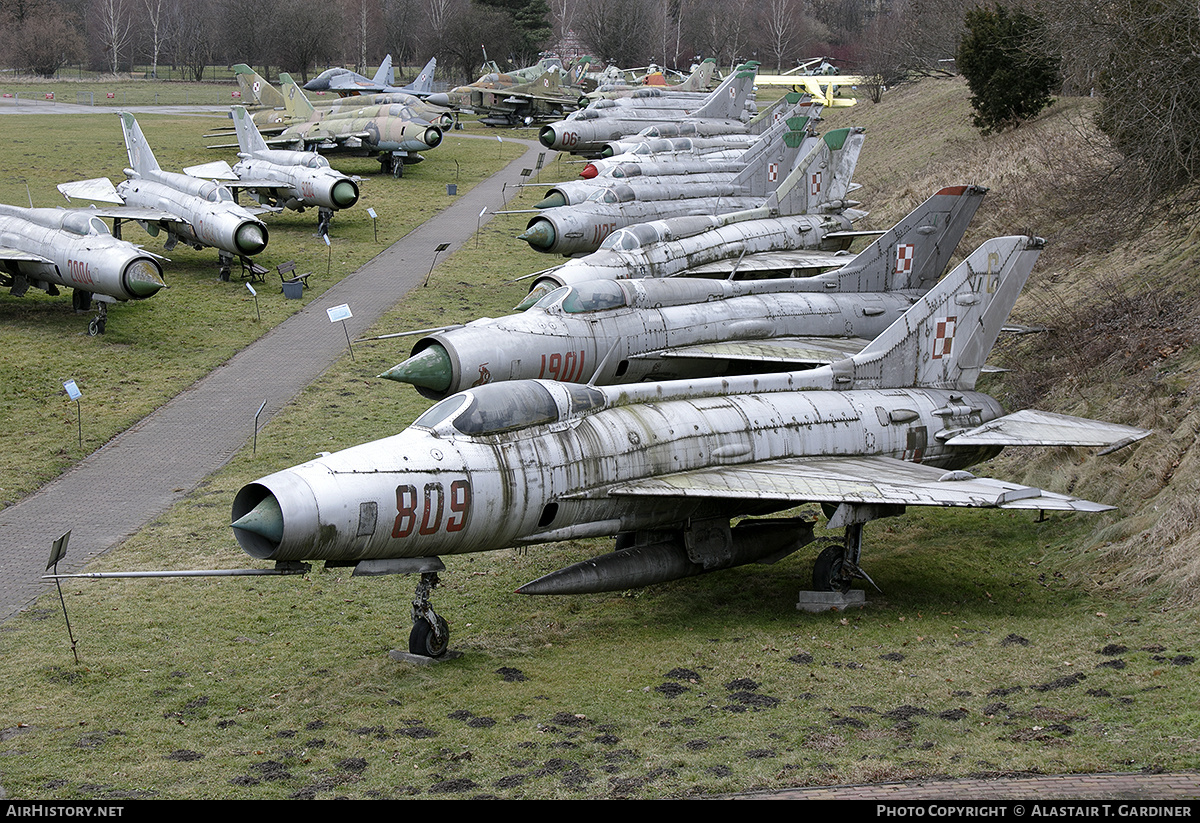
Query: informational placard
[(72, 390), (339, 313)]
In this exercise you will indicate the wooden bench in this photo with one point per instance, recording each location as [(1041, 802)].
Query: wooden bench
[(253, 271), (287, 273)]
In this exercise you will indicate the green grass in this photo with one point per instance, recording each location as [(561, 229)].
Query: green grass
[(985, 653), (154, 348)]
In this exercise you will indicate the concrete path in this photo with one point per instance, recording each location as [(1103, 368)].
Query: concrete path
[(139, 474)]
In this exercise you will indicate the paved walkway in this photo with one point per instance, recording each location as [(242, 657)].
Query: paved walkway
[(139, 474)]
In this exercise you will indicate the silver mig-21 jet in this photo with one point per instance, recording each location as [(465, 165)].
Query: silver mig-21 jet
[(607, 332), (48, 248), (280, 178), (588, 130), (809, 210), (198, 212), (667, 466), (572, 230)]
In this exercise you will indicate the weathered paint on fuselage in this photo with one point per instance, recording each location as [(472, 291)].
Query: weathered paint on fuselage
[(427, 492)]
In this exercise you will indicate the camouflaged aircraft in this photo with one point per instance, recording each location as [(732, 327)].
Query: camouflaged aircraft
[(282, 179), (667, 467), (48, 248), (199, 212), (395, 134), (606, 332)]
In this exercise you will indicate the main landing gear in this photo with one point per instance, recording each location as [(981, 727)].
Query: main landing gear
[(837, 564)]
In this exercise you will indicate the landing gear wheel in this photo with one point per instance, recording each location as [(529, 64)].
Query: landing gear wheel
[(425, 640), (96, 326), (829, 573), (397, 168)]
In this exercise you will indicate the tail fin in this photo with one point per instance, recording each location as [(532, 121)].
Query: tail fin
[(768, 162), (294, 101), (255, 90), (822, 176), (386, 76), (728, 100), (792, 104), (699, 79), (424, 82), (141, 158), (944, 339), (250, 141), (913, 253)]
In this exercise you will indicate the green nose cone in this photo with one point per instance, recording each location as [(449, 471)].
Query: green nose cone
[(540, 234), (429, 369), (551, 201), (345, 194), (265, 520)]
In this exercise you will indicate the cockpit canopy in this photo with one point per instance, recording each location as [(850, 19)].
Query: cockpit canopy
[(631, 237), (84, 224), (582, 298), (316, 161), (215, 193), (503, 407)]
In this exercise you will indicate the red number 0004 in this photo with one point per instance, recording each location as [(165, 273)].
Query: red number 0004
[(424, 511)]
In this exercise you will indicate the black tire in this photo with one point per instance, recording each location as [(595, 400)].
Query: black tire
[(95, 327), (421, 639), (827, 570)]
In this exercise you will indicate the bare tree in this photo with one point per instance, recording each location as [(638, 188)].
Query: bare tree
[(40, 36), (114, 25), (156, 24)]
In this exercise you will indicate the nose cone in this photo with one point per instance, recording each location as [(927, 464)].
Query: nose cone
[(440, 99), (344, 194), (547, 137), (143, 278), (589, 171), (607, 151), (428, 369), (263, 522), (433, 136), (539, 234), (551, 200), (251, 238)]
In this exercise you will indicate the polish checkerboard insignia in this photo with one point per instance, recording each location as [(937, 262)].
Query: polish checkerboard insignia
[(815, 184), (943, 338), (772, 172), (905, 252)]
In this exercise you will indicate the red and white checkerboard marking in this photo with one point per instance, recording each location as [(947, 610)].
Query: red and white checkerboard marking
[(943, 339), (814, 186), (905, 252), (772, 172)]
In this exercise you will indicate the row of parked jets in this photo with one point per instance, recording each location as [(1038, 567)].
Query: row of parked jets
[(684, 384)]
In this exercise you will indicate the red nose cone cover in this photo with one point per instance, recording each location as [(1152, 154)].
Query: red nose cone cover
[(589, 171)]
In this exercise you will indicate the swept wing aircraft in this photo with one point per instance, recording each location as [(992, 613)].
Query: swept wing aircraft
[(588, 130), (607, 332), (580, 228), (198, 212), (346, 82), (805, 212), (282, 179), (48, 248), (667, 466), (393, 133)]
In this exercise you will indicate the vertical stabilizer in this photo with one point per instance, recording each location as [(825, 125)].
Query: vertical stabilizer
[(699, 79), (141, 158), (792, 104), (945, 338), (249, 139), (728, 100), (255, 90), (822, 176), (913, 253), (423, 85), (769, 161), (294, 102), (386, 76)]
